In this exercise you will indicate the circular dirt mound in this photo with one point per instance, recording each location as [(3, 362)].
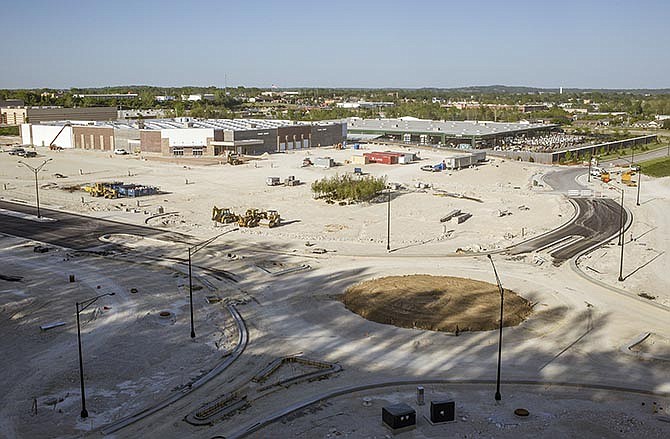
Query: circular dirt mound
[(437, 303)]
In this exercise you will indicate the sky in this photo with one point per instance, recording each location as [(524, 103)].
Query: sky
[(336, 43)]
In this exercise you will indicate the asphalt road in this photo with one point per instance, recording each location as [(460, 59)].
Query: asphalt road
[(565, 179), (598, 219), (70, 230), (639, 157)]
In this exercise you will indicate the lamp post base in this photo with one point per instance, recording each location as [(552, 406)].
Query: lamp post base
[(498, 396), (84, 413)]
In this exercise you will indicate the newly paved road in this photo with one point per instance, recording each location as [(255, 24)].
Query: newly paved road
[(70, 230), (598, 219)]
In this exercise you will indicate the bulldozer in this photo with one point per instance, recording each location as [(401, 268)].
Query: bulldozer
[(223, 215), (234, 159), (251, 218), (270, 219)]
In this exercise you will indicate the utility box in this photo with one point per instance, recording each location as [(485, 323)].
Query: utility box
[(442, 411), (272, 181), (398, 417)]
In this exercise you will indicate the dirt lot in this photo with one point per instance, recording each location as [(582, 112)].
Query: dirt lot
[(437, 303), (191, 189)]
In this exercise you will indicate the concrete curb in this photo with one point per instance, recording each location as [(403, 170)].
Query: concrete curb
[(243, 338)]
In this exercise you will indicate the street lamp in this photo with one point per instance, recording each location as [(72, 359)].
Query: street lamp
[(639, 180), (590, 160), (37, 188), (388, 221), (498, 397), (191, 251), (621, 238), (81, 306)]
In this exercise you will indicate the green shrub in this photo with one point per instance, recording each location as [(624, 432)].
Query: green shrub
[(347, 187), (9, 131)]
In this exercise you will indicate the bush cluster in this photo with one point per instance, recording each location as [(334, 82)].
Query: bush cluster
[(348, 188)]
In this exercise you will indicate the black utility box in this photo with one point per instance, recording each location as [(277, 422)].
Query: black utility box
[(398, 416), (442, 411)]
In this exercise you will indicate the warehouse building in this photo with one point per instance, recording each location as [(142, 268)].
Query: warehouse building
[(20, 115), (451, 134), (187, 136)]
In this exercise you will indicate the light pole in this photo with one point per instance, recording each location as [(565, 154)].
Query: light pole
[(37, 187), (388, 221), (639, 180), (81, 306), (621, 239), (191, 251), (590, 160), (498, 397)]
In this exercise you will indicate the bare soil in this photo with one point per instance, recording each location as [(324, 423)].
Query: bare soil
[(436, 303)]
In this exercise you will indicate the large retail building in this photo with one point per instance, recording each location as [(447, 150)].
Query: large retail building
[(187, 136)]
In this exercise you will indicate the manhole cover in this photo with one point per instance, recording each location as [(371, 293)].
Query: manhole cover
[(165, 314), (521, 412), (133, 290)]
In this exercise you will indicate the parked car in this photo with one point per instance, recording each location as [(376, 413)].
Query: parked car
[(28, 154), (120, 151), (17, 151)]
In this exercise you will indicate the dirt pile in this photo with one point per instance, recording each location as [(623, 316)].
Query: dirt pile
[(436, 303)]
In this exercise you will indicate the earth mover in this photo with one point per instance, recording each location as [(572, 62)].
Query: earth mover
[(234, 159), (250, 219), (224, 215), (270, 219)]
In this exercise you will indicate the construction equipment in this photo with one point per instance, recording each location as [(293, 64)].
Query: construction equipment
[(224, 215), (306, 162), (291, 181), (250, 218), (626, 179), (106, 190), (234, 159), (51, 144), (605, 177), (270, 219)]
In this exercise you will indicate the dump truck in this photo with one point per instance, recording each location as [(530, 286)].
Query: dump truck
[(605, 177)]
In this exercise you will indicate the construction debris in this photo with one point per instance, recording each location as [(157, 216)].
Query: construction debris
[(116, 189), (450, 215)]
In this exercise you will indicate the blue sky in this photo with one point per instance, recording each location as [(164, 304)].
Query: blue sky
[(337, 43)]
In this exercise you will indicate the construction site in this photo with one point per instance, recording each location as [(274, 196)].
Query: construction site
[(250, 296)]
